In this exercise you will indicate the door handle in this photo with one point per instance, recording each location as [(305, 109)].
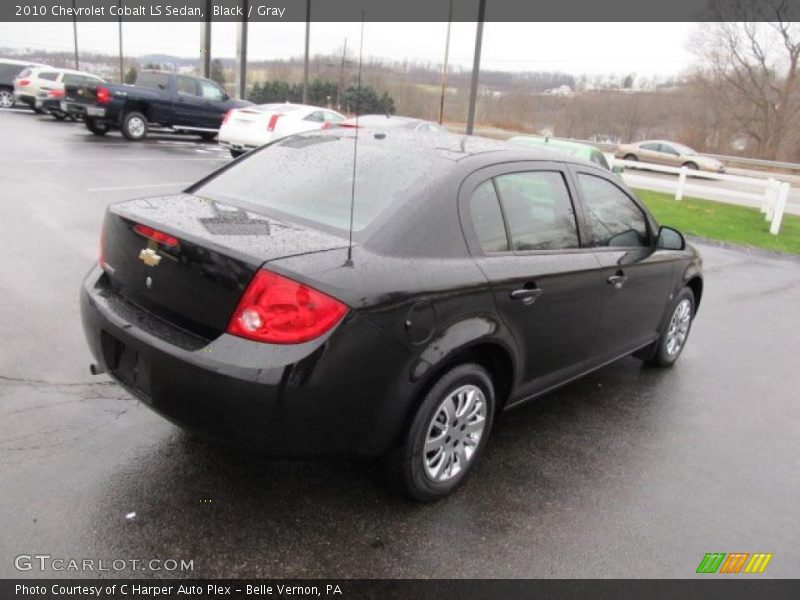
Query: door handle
[(617, 280), (527, 294)]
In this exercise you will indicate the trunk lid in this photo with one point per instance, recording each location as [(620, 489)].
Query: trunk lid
[(195, 280)]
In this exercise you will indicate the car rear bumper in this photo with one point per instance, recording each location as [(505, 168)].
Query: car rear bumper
[(291, 400)]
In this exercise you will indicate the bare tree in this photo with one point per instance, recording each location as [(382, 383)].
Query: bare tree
[(751, 70)]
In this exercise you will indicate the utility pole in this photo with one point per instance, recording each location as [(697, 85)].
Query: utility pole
[(476, 66), (121, 68), (241, 53), (305, 62), (446, 58), (75, 35), (205, 43)]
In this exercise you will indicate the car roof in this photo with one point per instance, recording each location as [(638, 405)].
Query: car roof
[(23, 63), (575, 147), (450, 147)]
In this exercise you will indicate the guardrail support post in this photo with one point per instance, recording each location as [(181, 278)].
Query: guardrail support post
[(769, 190), (780, 206), (681, 183)]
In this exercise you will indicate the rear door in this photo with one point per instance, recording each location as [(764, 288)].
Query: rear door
[(650, 152), (636, 278), (522, 229), (189, 105)]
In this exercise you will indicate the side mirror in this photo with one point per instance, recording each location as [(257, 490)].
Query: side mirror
[(670, 239), (618, 169)]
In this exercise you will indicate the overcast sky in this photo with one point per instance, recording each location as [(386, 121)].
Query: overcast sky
[(591, 48)]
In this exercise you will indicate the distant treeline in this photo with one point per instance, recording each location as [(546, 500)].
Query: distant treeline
[(352, 99)]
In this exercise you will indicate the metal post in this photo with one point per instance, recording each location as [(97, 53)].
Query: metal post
[(476, 65), (780, 207), (205, 43), (681, 183), (446, 58), (241, 53), (75, 36), (305, 62), (121, 67)]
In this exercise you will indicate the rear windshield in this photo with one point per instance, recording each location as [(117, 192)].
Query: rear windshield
[(310, 177)]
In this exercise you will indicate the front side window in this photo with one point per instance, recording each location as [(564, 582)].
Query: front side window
[(332, 117), (598, 159), (186, 85), (653, 147), (614, 219), (210, 91), (487, 219), (666, 149), (538, 210)]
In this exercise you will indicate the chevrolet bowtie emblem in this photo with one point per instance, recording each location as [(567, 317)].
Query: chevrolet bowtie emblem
[(149, 257)]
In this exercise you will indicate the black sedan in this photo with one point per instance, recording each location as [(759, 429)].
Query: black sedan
[(295, 305)]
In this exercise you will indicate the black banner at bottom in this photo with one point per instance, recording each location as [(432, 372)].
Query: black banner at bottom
[(399, 589)]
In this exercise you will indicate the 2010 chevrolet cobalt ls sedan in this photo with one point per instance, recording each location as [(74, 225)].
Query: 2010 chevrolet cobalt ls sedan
[(480, 275)]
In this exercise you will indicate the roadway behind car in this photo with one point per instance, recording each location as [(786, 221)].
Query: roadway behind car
[(631, 472)]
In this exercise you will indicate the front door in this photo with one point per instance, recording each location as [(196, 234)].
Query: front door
[(637, 278), (546, 286)]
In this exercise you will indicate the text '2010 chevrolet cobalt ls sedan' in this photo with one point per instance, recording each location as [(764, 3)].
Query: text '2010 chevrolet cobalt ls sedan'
[(480, 275)]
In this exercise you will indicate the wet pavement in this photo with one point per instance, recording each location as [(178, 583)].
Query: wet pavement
[(630, 472)]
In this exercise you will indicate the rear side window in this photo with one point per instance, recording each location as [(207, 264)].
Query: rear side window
[(651, 146), (25, 73), (487, 219), (614, 219), (48, 75), (538, 210), (158, 81)]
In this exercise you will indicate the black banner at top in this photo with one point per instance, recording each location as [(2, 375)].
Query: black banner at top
[(397, 10)]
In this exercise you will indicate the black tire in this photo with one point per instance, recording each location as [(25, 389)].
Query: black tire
[(631, 157), (38, 111), (406, 464), (692, 166), (95, 126), (236, 153), (59, 116), (134, 126), (208, 136), (7, 97), (659, 355)]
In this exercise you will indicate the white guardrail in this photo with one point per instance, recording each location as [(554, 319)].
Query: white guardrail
[(771, 199)]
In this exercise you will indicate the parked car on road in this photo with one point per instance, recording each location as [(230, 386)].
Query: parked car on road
[(395, 122), (179, 103), (278, 305), (50, 97), (9, 69), (246, 128), (574, 149), (672, 154)]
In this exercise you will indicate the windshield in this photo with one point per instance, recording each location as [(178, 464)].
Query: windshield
[(310, 177)]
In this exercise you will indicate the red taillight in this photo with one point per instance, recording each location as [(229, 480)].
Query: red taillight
[(227, 116), (55, 93), (277, 310), (156, 236), (103, 95), (273, 120), (24, 82)]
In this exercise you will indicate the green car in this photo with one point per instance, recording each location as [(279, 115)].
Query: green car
[(573, 149)]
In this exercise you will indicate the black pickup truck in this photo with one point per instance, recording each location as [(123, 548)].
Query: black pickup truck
[(179, 103)]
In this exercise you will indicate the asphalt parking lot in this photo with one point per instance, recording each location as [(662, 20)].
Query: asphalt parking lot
[(630, 472)]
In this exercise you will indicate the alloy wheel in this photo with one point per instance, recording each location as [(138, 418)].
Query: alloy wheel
[(679, 327), (454, 433), (6, 99)]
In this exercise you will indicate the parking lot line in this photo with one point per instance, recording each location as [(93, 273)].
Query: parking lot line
[(136, 187)]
